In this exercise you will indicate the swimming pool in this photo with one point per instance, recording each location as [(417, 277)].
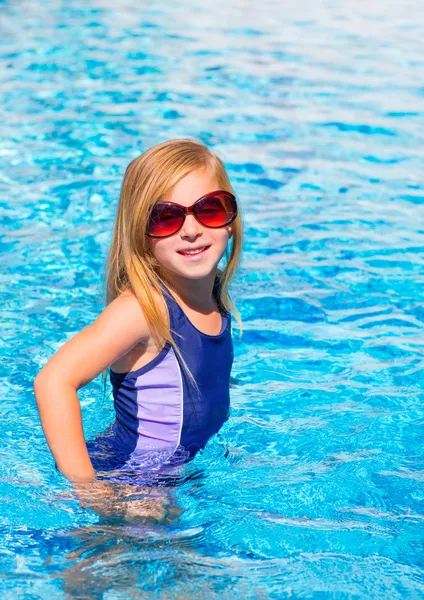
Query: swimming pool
[(314, 487)]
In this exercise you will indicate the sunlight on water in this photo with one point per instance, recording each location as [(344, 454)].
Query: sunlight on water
[(315, 486)]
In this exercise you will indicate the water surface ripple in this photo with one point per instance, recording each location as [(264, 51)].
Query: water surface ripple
[(315, 486)]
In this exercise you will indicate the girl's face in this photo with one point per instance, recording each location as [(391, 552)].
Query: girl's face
[(192, 235)]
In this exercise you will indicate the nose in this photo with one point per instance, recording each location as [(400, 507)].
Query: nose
[(191, 228)]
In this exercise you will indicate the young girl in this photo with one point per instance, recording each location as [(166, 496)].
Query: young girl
[(166, 330)]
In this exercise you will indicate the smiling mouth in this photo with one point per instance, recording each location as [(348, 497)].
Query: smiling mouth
[(196, 252)]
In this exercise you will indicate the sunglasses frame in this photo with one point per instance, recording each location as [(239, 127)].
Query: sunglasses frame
[(191, 210)]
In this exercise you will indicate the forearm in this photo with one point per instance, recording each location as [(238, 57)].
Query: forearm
[(60, 416)]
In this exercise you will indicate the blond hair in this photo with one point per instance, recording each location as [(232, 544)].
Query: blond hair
[(131, 265)]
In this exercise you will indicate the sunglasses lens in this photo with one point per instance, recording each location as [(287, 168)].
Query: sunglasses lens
[(216, 211), (165, 220)]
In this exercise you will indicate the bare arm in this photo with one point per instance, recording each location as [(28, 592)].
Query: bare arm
[(118, 329)]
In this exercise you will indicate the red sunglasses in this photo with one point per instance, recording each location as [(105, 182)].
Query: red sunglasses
[(214, 210)]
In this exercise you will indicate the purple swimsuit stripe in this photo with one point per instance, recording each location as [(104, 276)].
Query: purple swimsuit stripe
[(160, 405)]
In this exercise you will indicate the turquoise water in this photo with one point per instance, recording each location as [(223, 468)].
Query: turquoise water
[(315, 486)]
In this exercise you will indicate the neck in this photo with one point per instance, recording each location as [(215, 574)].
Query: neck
[(195, 293)]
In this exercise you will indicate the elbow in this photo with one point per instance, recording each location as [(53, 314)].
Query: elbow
[(42, 383), (39, 385), (37, 382), (48, 382), (40, 379)]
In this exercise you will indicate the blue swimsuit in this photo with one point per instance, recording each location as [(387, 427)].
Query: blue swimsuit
[(161, 418)]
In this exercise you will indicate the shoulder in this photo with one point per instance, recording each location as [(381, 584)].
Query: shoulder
[(124, 321), (126, 307), (123, 316), (117, 330)]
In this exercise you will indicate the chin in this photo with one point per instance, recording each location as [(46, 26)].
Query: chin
[(191, 272)]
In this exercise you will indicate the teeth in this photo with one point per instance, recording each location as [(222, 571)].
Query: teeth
[(193, 251)]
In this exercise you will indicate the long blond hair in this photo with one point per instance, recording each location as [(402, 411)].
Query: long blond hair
[(131, 265)]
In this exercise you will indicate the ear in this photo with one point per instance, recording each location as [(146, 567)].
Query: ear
[(230, 232)]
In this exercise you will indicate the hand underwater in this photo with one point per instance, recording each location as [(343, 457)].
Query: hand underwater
[(119, 500)]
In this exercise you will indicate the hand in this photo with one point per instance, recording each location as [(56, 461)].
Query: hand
[(119, 500), (155, 506), (97, 495)]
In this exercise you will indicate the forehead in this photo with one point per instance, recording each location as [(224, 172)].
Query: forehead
[(192, 187)]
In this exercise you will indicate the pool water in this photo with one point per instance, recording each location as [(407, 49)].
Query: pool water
[(315, 486)]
